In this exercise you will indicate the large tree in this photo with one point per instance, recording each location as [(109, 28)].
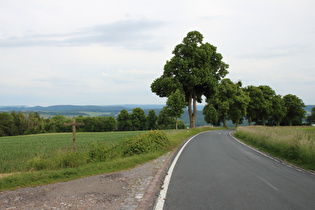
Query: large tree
[(295, 111), (175, 105), (196, 69)]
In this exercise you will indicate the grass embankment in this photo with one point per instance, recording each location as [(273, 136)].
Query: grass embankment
[(48, 158), (292, 144)]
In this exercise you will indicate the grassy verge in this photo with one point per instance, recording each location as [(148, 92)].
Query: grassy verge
[(292, 144), (99, 158)]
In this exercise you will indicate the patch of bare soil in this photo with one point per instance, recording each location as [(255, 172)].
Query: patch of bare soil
[(122, 190)]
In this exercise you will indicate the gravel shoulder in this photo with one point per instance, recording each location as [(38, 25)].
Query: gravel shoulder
[(136, 188)]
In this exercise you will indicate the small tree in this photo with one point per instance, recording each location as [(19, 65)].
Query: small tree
[(164, 120), (151, 120), (138, 119), (175, 105), (124, 121)]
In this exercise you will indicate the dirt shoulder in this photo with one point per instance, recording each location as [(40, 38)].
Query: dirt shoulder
[(136, 188)]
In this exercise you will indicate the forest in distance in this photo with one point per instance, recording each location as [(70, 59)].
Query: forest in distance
[(23, 123)]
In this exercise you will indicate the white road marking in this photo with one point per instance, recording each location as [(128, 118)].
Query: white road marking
[(270, 185)]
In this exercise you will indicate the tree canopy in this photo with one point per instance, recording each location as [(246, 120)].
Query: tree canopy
[(196, 69), (230, 102)]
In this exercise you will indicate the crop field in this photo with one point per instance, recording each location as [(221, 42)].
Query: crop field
[(293, 144), (16, 151)]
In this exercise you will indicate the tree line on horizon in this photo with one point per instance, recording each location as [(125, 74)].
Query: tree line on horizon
[(12, 124)]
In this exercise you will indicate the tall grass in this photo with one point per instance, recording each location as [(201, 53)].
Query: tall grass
[(293, 144)]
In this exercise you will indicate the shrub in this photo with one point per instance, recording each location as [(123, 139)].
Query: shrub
[(98, 152), (147, 142)]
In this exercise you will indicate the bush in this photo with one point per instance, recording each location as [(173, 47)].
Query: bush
[(147, 142)]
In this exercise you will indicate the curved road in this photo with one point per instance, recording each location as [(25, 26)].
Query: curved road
[(214, 171)]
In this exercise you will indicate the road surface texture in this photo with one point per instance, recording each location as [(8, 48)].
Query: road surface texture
[(214, 171)]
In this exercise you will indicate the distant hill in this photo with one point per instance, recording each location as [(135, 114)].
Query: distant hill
[(308, 108)]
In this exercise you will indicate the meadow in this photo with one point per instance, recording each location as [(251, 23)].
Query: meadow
[(292, 144)]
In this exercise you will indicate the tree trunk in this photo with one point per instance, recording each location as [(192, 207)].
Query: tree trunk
[(192, 113), (249, 121), (176, 123), (290, 122), (224, 122), (263, 121)]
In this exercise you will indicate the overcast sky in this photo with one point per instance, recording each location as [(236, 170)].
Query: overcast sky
[(101, 52)]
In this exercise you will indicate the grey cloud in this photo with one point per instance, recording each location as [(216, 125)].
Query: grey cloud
[(129, 34)]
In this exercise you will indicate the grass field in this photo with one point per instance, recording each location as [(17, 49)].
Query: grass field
[(293, 144), (16, 151), (50, 149)]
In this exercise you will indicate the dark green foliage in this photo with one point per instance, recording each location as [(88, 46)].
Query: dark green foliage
[(138, 119), (7, 127), (124, 121), (230, 102), (164, 121), (295, 111)]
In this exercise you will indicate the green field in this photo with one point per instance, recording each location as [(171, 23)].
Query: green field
[(16, 151), (293, 144), (52, 160)]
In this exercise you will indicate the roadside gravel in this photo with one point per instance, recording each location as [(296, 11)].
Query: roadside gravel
[(136, 188)]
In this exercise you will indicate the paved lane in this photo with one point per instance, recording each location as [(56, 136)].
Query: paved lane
[(216, 172)]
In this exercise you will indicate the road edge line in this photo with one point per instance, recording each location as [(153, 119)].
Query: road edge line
[(274, 158), (162, 195)]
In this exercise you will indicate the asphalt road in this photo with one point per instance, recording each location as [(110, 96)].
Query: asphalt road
[(214, 171)]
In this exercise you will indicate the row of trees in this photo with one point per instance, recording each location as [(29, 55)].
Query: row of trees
[(13, 123), (258, 104), (197, 70)]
